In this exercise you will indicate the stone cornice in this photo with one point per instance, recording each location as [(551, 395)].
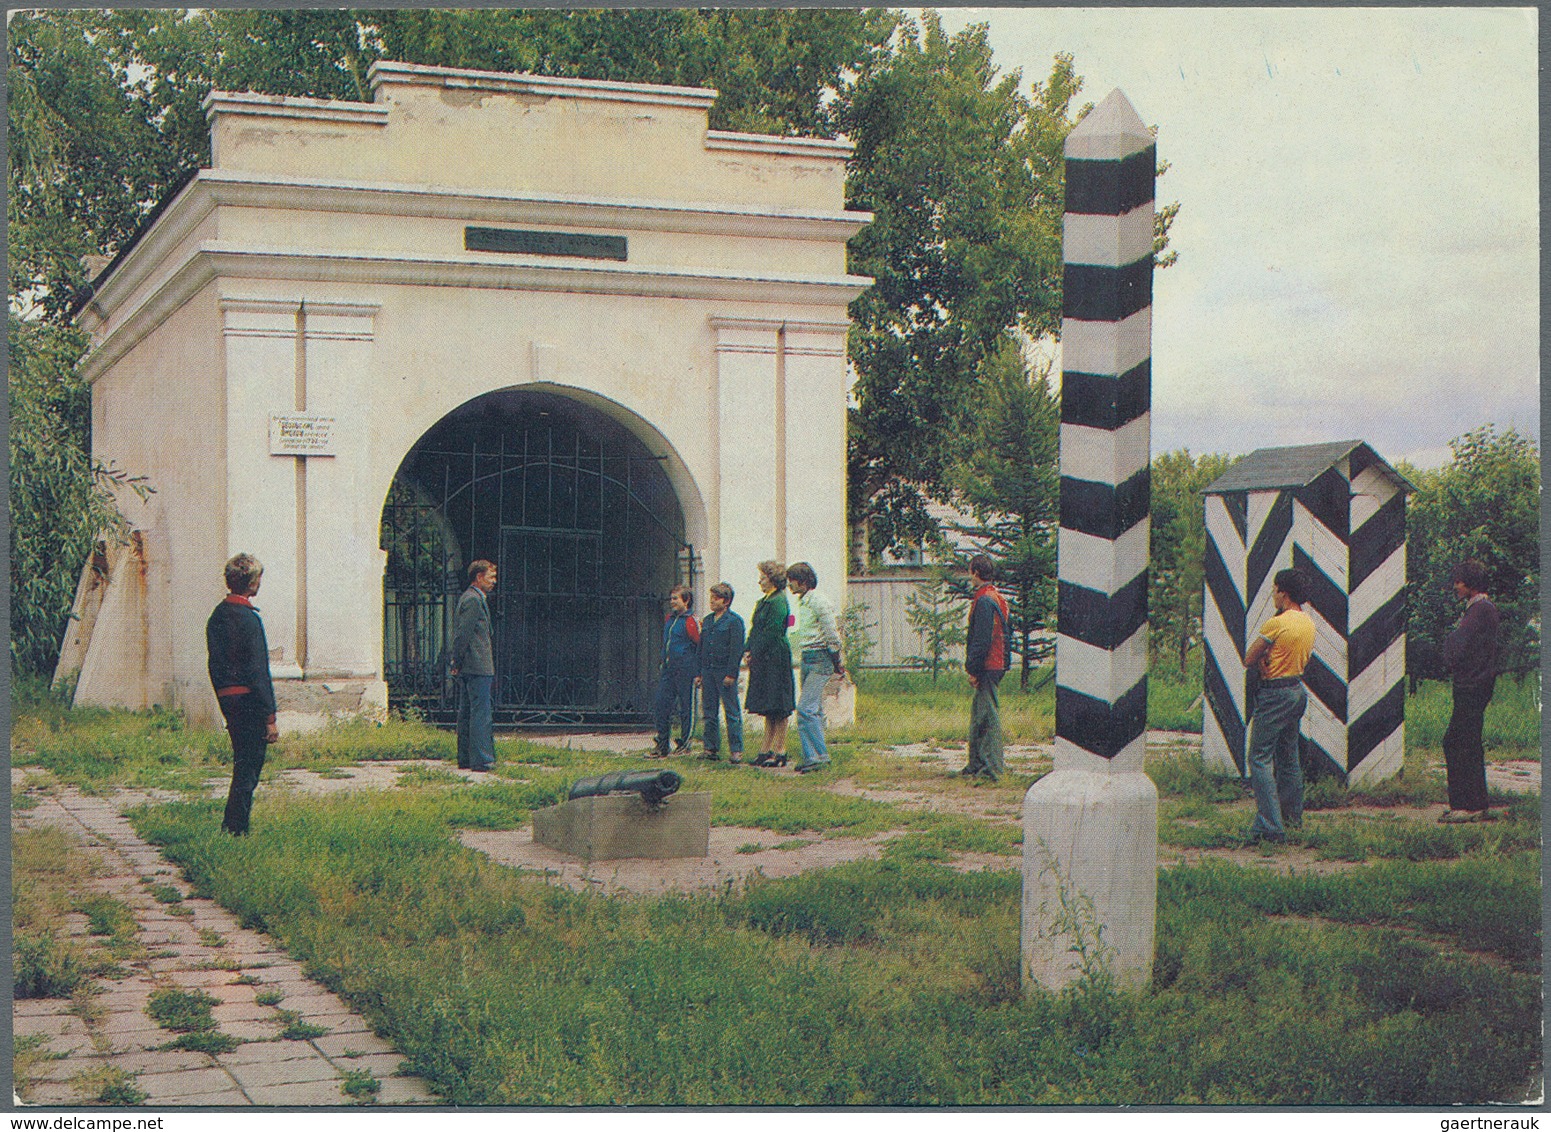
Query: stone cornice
[(386, 73), (786, 147), (214, 260), (284, 106), (213, 187)]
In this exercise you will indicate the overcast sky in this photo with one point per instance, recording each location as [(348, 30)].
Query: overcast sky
[(1359, 226)]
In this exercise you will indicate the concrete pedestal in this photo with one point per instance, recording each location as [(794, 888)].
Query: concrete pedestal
[(621, 825), (1090, 877)]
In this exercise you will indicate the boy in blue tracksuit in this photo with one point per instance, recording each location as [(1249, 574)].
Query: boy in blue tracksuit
[(680, 666), (721, 652)]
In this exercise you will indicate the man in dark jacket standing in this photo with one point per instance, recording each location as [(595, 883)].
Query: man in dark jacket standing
[(473, 662), (1471, 655), (721, 652), (239, 673), (985, 661)]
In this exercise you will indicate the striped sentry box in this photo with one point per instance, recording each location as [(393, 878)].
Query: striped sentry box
[(1337, 512), (1106, 395)]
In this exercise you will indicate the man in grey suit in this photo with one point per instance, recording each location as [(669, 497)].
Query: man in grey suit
[(473, 662)]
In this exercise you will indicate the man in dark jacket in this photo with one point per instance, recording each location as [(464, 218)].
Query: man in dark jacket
[(239, 673), (473, 662), (1471, 655), (680, 666), (721, 652), (985, 661)]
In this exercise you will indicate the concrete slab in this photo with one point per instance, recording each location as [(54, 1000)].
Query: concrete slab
[(250, 1052), (304, 1093), (182, 1084), (380, 1065), (292, 1071), (350, 1046)]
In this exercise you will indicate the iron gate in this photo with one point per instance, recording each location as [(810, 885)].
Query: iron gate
[(587, 534)]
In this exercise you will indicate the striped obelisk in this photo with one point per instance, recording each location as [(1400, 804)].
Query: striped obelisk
[(1090, 843)]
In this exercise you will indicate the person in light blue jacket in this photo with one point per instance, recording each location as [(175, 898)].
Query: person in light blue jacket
[(819, 641)]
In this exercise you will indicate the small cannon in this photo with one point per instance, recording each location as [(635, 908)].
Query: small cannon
[(654, 786)]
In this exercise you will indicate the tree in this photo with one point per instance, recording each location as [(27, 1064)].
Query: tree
[(963, 173), (856, 640), (1009, 479), (62, 502), (1178, 556), (934, 612), (1484, 504)]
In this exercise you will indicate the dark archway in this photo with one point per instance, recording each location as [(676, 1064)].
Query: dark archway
[(584, 525)]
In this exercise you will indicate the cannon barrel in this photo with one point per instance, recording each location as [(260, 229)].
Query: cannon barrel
[(653, 785)]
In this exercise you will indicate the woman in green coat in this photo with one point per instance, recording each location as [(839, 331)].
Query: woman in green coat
[(772, 692)]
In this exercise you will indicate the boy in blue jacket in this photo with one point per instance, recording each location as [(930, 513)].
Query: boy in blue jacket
[(721, 652), (680, 666)]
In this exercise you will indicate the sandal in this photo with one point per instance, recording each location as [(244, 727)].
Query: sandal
[(763, 758)]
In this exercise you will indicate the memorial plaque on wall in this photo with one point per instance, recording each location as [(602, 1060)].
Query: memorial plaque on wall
[(544, 243), (301, 434)]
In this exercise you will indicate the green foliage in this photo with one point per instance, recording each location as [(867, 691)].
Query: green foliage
[(888, 983), (1484, 504), (45, 966), (203, 1041), (166, 894), (62, 502), (269, 997), (963, 173), (856, 642), (361, 1085), (120, 1088), (297, 1030), (934, 613), (181, 1011), (1511, 728), (1009, 479), (106, 915), (1175, 584)]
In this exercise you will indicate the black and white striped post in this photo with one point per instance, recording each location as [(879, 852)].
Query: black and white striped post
[(1090, 844)]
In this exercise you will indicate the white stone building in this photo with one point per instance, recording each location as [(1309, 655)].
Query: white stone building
[(595, 341)]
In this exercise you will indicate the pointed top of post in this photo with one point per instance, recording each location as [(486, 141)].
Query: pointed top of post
[(1111, 131)]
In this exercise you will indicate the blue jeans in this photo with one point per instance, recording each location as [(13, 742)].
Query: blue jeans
[(675, 689), (1273, 742), (817, 668), (715, 695), (476, 733)]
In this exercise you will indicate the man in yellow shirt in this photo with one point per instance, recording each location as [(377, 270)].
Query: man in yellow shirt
[(1281, 652)]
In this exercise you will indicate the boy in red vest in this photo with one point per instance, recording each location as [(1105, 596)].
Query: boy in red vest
[(985, 660)]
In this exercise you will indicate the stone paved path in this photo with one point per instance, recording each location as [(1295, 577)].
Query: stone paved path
[(114, 1038)]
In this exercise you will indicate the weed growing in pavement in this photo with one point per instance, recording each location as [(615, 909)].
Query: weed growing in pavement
[(112, 1086), (107, 915), (203, 1041), (296, 1030), (211, 938), (269, 997), (165, 894), (181, 1011), (246, 981), (361, 1085)]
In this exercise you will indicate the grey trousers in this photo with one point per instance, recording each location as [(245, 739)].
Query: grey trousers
[(985, 728)]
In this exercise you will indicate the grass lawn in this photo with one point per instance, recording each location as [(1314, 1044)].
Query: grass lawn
[(1396, 963)]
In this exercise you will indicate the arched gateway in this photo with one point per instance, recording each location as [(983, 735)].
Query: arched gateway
[(558, 324), (588, 534)]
